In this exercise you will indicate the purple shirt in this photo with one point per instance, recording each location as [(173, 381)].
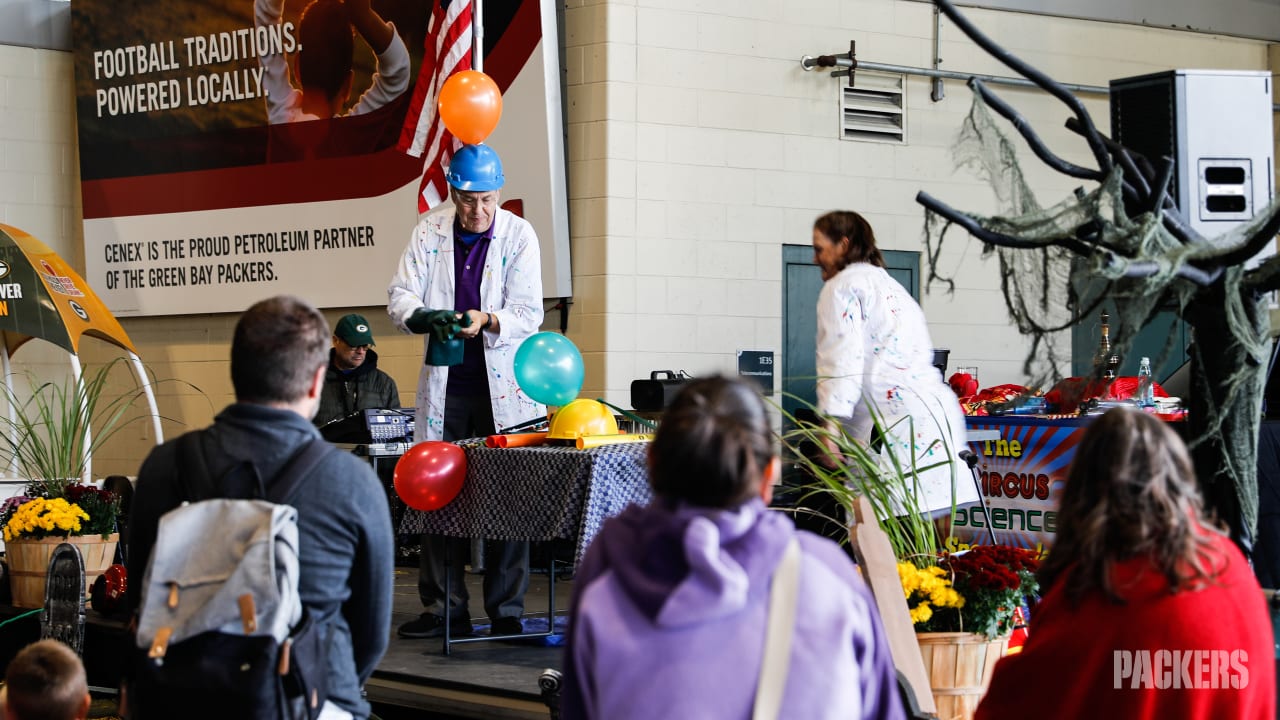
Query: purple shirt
[(470, 379)]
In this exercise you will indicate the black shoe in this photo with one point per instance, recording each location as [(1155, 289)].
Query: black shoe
[(432, 626), (506, 626)]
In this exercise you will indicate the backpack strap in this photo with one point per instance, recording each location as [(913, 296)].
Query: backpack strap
[(193, 478), (298, 470), (196, 483)]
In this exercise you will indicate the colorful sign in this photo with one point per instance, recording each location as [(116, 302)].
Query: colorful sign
[(212, 176), (1021, 472)]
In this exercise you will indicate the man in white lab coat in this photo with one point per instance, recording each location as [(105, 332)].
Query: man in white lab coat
[(482, 262)]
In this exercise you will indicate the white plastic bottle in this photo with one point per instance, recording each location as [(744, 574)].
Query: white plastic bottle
[(1146, 391)]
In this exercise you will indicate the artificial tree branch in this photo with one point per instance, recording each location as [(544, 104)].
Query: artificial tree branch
[(1132, 174), (1160, 191), (1147, 268), (1023, 127), (1265, 277), (1051, 86), (994, 238), (1261, 237), (1130, 162)]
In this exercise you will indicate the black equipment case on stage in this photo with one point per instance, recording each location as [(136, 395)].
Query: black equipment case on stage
[(656, 393)]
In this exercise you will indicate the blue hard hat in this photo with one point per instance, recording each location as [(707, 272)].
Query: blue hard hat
[(476, 168)]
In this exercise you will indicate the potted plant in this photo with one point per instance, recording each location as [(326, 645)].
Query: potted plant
[(50, 436), (82, 515), (962, 604)]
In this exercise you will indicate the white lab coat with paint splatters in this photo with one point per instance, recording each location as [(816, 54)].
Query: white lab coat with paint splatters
[(510, 289), (874, 355)]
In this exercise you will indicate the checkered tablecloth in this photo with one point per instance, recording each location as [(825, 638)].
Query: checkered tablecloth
[(539, 493)]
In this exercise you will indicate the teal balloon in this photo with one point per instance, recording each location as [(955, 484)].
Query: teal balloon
[(548, 368)]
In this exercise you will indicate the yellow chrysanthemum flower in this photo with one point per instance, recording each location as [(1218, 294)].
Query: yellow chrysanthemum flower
[(921, 613)]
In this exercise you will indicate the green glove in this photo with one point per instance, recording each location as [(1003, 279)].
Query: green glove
[(442, 324), (420, 321), (444, 347), (446, 323)]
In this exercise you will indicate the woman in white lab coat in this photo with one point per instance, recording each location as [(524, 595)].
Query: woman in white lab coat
[(874, 355)]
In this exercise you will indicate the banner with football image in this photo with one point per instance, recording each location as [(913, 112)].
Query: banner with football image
[(236, 149)]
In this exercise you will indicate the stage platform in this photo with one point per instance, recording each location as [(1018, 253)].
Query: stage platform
[(477, 680)]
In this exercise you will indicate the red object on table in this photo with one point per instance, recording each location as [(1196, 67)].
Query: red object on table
[(963, 384), (1069, 393)]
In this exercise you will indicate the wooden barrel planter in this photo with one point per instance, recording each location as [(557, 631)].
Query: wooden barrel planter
[(29, 563), (959, 666)]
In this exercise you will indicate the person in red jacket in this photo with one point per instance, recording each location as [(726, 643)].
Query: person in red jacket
[(1149, 610)]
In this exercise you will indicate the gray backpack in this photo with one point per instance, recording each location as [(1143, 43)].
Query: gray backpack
[(222, 631)]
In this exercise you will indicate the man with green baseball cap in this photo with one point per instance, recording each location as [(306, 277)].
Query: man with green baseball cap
[(353, 381)]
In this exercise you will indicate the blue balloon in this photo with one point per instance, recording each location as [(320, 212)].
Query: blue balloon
[(548, 368)]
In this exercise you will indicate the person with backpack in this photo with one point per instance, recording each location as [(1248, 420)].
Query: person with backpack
[(337, 553)]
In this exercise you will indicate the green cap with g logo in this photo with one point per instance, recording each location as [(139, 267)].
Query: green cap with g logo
[(354, 330)]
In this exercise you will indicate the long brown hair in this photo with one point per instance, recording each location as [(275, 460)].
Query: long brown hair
[(862, 239), (1131, 491)]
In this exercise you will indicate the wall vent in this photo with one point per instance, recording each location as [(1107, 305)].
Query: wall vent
[(875, 108)]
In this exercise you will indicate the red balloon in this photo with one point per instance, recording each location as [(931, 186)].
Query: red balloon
[(429, 476), (470, 105)]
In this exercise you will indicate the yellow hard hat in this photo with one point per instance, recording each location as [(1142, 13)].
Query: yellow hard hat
[(582, 417)]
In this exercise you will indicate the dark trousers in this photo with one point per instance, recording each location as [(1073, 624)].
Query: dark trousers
[(506, 577)]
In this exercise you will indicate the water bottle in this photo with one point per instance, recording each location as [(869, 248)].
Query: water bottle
[(1146, 392)]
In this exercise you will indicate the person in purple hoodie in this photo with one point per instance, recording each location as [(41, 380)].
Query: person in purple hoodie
[(669, 611)]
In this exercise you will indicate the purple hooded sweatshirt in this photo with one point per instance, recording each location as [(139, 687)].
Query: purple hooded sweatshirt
[(668, 621)]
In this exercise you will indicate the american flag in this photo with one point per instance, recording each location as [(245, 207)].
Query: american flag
[(448, 50)]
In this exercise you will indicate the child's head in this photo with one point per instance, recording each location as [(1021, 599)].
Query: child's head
[(713, 447), (327, 43), (46, 681)]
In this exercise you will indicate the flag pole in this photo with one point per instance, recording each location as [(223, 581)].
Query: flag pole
[(477, 35)]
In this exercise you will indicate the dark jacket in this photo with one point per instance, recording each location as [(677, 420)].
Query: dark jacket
[(363, 388), (344, 533)]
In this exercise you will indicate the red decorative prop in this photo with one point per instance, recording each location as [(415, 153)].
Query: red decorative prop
[(107, 596), (430, 474), (963, 384)]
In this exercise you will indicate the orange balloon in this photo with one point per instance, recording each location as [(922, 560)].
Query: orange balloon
[(470, 105)]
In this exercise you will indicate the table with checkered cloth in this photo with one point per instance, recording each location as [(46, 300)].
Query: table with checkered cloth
[(539, 493)]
